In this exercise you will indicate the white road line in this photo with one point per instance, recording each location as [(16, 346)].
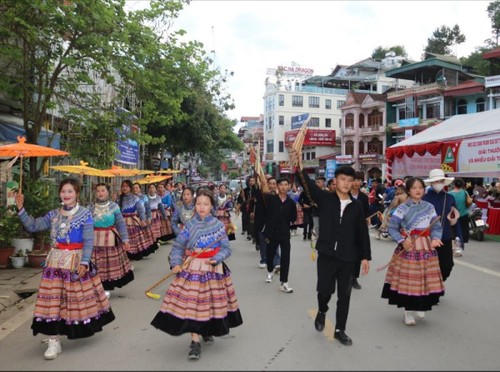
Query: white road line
[(478, 268)]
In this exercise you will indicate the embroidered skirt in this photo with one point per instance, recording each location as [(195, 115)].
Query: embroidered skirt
[(140, 239), (156, 224), (413, 279), (111, 260), (166, 230), (68, 305), (200, 299)]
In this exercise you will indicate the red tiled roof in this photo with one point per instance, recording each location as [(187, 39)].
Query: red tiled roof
[(468, 87), (492, 54)]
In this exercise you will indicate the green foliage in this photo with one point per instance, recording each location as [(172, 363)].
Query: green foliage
[(9, 226), (380, 52), (494, 14), (477, 63), (443, 38)]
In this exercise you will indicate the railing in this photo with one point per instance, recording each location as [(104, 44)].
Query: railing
[(414, 90)]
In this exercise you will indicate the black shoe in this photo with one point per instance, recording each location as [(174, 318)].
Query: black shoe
[(342, 337), (249, 237), (319, 322), (208, 339), (304, 238), (195, 351), (355, 284)]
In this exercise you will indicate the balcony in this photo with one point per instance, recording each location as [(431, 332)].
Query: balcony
[(374, 130), (349, 132), (415, 91)]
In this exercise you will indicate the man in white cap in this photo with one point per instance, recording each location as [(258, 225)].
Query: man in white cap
[(445, 207)]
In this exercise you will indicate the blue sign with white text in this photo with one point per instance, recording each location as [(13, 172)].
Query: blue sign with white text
[(298, 120)]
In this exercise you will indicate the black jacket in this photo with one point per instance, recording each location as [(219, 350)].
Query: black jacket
[(278, 216), (363, 198), (345, 238)]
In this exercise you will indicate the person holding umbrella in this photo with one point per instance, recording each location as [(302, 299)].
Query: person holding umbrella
[(71, 299)]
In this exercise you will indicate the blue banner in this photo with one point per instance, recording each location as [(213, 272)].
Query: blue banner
[(331, 165), (298, 120), (128, 150), (409, 122)]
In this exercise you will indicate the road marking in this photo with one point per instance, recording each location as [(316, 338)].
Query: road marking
[(478, 268), (328, 331)]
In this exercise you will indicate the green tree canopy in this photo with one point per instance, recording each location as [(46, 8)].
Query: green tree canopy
[(380, 51), (494, 14), (443, 38)]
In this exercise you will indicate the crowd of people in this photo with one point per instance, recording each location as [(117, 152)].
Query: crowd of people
[(94, 246)]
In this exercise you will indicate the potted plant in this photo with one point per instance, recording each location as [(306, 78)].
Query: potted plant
[(18, 260), (23, 239), (9, 224)]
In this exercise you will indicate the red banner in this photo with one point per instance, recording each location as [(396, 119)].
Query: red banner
[(314, 137)]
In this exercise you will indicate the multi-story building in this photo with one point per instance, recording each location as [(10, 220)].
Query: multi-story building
[(492, 81)]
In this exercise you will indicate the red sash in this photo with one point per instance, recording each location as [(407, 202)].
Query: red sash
[(69, 246), (207, 254)]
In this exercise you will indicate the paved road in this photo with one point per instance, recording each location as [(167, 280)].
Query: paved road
[(462, 333)]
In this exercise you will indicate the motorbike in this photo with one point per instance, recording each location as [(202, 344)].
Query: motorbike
[(476, 224)]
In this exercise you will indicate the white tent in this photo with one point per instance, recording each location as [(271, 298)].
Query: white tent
[(467, 145)]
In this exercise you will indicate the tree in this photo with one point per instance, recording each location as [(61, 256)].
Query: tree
[(443, 38), (494, 14), (380, 52), (476, 62)]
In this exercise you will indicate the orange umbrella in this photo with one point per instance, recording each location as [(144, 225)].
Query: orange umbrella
[(169, 171), (152, 179), (82, 169), (121, 172), (22, 149)]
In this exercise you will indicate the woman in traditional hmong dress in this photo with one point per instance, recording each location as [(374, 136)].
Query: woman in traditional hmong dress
[(150, 240), (135, 218), (110, 241), (201, 299), (224, 205), (413, 279), (166, 226), (71, 299), (294, 194), (157, 212), (185, 211)]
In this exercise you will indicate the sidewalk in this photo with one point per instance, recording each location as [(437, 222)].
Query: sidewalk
[(18, 289)]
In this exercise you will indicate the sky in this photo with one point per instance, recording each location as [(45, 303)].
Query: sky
[(248, 36)]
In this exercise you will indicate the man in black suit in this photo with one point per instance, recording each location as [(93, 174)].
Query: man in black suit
[(343, 241), (356, 193)]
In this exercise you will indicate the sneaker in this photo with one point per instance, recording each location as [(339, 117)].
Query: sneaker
[(458, 252), (195, 351), (409, 319), (285, 288), (108, 294), (420, 314), (269, 278), (262, 265), (277, 269), (53, 349), (342, 337), (208, 339)]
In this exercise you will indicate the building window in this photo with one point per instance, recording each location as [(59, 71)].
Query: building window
[(314, 102), (270, 146), (313, 155), (340, 104), (349, 121), (375, 146), (462, 107), (308, 156), (361, 147), (361, 120), (281, 146), (314, 122), (281, 120), (402, 113), (328, 123), (349, 148), (328, 103), (432, 110), (480, 105), (297, 101), (281, 100), (375, 118)]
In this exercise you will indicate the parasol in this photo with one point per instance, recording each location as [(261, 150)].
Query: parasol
[(121, 172), (22, 149), (169, 171), (82, 169), (142, 171), (152, 179)]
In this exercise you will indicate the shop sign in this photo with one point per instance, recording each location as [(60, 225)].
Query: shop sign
[(314, 137)]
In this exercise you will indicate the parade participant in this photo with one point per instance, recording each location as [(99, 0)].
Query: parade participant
[(280, 212), (400, 196), (246, 202), (166, 226), (356, 193), (135, 218), (461, 196), (201, 300), (343, 241), (69, 277), (110, 241), (306, 205), (224, 204), (413, 279), (157, 212), (147, 232), (185, 211), (294, 194), (331, 185), (445, 207), (177, 193)]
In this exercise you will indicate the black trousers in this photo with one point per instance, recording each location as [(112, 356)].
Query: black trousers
[(445, 256), (308, 224), (272, 245), (334, 273)]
